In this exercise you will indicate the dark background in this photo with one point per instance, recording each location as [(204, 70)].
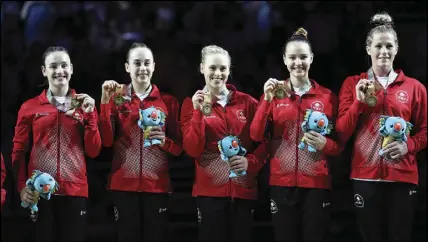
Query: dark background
[(98, 34)]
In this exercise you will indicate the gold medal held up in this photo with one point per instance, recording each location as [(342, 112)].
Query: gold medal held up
[(75, 103), (207, 107), (370, 92), (280, 90), (118, 96)]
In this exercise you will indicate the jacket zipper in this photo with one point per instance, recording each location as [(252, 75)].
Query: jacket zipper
[(58, 163), (229, 131), (140, 186), (141, 162), (383, 113), (297, 142)]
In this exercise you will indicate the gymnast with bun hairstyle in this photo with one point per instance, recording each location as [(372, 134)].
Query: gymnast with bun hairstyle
[(384, 184), (299, 179)]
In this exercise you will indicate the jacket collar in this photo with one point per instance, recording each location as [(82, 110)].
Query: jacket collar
[(154, 93), (47, 97), (395, 76), (231, 93), (315, 87)]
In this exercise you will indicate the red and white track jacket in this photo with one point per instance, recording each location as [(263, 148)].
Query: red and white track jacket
[(60, 141), (137, 168), (201, 134), (289, 165), (404, 97)]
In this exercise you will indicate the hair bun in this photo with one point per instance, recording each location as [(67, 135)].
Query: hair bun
[(301, 32), (381, 19)]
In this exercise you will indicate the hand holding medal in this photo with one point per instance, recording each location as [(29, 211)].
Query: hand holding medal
[(118, 95), (83, 101), (366, 92), (207, 104), (202, 101), (75, 103), (111, 88), (274, 88), (281, 90)]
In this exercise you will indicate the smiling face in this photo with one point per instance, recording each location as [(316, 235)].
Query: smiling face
[(57, 69), (382, 50), (298, 59), (216, 70), (140, 65)]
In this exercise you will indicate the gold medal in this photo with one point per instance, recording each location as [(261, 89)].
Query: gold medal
[(371, 100), (75, 103), (207, 107), (279, 91), (118, 98), (370, 91)]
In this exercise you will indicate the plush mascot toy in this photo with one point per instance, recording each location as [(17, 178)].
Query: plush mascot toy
[(43, 184), (149, 118), (314, 121), (230, 146), (392, 129)]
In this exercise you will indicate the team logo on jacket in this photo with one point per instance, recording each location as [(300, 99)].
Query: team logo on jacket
[(273, 207), (402, 96), (317, 106), (240, 115), (358, 201)]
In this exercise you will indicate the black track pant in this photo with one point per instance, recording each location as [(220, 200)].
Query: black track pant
[(384, 210), (224, 219), (62, 218), (300, 214), (141, 216)]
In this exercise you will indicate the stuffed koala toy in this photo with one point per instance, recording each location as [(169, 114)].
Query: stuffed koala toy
[(230, 146), (393, 129), (42, 183), (314, 121), (149, 118)]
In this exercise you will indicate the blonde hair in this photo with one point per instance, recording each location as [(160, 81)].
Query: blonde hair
[(382, 23), (214, 49)]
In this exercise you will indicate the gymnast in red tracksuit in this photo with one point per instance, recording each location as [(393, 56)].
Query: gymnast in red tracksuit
[(60, 136), (139, 178), (225, 205), (299, 179), (384, 186)]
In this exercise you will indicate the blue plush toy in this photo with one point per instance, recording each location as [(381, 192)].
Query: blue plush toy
[(392, 129), (41, 183), (230, 146), (149, 118), (314, 121)]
